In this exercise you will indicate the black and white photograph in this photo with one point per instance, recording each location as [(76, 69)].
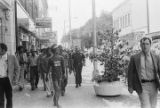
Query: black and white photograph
[(79, 54)]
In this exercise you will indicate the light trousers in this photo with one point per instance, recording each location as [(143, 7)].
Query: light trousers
[(148, 97)]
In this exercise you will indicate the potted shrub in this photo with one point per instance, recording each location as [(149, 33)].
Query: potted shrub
[(108, 83)]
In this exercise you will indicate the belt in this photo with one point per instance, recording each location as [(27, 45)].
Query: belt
[(145, 81)]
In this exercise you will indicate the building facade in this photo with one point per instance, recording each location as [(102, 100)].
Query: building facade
[(7, 24), (28, 11), (137, 18)]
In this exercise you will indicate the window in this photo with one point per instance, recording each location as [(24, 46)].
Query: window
[(126, 24), (121, 22), (1, 33), (129, 19)]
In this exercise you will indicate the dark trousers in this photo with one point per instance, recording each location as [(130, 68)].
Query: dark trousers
[(64, 83), (5, 91), (34, 77), (78, 76)]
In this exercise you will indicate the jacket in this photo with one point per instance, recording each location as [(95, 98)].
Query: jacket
[(134, 68)]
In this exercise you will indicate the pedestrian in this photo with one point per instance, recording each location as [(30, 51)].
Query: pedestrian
[(47, 73), (34, 76), (22, 58), (42, 66), (70, 61), (64, 80), (9, 68), (143, 74), (78, 62), (57, 69)]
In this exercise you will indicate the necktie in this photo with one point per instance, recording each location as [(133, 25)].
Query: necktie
[(147, 65)]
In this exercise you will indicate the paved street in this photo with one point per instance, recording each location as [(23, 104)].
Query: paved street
[(83, 97)]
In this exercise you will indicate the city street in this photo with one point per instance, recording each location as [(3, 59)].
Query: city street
[(82, 97)]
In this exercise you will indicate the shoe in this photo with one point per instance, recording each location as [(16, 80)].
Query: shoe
[(62, 93), (79, 84), (32, 88), (52, 93), (59, 106), (20, 88), (76, 85), (36, 86)]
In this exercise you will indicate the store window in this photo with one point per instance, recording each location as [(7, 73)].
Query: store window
[(1, 34)]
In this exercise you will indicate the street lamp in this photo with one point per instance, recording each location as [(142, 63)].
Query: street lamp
[(148, 19), (94, 35)]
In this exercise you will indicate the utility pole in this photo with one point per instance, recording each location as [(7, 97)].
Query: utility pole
[(94, 35), (70, 34), (16, 27), (148, 19)]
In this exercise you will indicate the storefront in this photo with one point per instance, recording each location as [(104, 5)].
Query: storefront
[(4, 9), (7, 24), (27, 39)]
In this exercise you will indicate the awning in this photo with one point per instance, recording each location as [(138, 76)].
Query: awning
[(154, 35), (28, 32)]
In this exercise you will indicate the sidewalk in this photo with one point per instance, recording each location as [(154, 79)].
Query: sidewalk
[(85, 97)]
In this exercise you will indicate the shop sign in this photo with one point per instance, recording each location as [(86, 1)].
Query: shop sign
[(44, 22), (23, 22), (48, 34)]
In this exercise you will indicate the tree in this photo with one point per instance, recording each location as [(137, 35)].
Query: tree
[(103, 25)]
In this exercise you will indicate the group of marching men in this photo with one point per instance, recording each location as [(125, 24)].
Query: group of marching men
[(52, 65)]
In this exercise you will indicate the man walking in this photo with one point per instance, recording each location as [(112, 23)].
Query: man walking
[(22, 58), (34, 77), (78, 62), (9, 68), (143, 75), (56, 63)]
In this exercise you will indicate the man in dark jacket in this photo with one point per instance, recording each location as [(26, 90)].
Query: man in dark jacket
[(143, 75), (78, 62)]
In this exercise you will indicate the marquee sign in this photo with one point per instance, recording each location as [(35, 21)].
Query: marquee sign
[(44, 22)]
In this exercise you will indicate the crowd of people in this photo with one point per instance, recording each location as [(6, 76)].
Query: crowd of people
[(52, 65)]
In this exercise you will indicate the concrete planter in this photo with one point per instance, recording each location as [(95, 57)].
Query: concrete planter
[(108, 88)]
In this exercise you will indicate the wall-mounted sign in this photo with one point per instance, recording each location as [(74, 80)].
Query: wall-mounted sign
[(44, 22)]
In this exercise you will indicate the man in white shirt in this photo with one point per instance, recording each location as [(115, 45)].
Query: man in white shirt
[(9, 67)]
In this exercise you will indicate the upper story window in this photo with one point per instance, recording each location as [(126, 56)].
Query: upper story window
[(129, 19), (1, 33)]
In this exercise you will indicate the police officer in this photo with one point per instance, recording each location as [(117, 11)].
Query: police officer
[(78, 62), (56, 63)]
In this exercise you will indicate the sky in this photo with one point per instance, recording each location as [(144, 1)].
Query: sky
[(81, 12)]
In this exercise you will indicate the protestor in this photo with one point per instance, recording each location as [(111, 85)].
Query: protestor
[(56, 63), (78, 62), (9, 68)]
